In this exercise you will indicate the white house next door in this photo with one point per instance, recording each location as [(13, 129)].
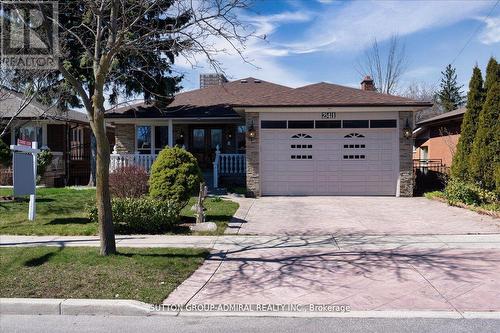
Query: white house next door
[(331, 161)]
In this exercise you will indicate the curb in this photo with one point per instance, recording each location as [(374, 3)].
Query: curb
[(51, 306), (123, 307)]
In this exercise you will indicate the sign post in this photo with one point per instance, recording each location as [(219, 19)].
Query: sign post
[(25, 163)]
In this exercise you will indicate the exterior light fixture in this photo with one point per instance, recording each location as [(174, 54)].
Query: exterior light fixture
[(252, 133), (407, 132)]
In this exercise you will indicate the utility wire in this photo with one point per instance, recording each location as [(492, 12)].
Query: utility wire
[(475, 32)]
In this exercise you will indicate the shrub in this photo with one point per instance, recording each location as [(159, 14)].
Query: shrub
[(141, 215), (43, 160), (458, 191), (5, 154), (175, 176), (129, 182)]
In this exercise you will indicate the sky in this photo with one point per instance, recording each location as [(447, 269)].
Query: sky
[(309, 41)]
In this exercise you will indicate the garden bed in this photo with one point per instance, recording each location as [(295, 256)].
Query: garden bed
[(439, 196), (147, 275)]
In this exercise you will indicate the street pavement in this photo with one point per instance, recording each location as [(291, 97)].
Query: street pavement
[(97, 324)]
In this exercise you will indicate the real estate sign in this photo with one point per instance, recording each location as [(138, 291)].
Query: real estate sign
[(24, 175)]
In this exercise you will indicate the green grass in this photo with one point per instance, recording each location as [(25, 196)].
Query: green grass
[(434, 195), (147, 275), (218, 211), (63, 211), (60, 211)]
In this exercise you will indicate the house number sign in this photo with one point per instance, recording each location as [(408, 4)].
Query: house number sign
[(328, 115)]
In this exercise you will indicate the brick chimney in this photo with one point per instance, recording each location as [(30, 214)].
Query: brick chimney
[(367, 84), (207, 80)]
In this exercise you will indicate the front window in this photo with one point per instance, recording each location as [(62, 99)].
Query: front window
[(143, 137), (161, 138), (30, 133), (199, 138), (216, 139)]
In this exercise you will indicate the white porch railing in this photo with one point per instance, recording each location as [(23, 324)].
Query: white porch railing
[(227, 165), (122, 160)]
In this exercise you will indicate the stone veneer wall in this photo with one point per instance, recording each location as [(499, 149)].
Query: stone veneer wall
[(252, 155), (406, 179), (125, 138)]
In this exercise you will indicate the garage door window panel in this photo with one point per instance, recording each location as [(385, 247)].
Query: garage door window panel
[(383, 123), (328, 124), (301, 124), (355, 123), (273, 124)]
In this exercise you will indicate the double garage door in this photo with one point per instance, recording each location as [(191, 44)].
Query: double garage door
[(329, 161)]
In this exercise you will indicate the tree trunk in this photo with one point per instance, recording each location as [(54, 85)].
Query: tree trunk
[(103, 197), (93, 155)]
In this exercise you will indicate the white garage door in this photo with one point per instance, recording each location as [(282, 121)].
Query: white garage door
[(329, 161)]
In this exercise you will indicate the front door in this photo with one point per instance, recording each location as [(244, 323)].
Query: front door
[(204, 143)]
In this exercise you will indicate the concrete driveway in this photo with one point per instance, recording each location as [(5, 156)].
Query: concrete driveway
[(359, 216)]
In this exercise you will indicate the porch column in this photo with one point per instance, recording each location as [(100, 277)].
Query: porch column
[(170, 133)]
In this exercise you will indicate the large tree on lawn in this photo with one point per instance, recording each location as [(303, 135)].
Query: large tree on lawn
[(475, 101), (118, 49), (450, 95), (485, 157)]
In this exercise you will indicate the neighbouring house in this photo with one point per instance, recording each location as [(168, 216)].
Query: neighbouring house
[(436, 139), (66, 133), (319, 139)]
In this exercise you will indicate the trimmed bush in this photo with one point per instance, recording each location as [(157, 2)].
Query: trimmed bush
[(458, 191), (141, 215), (129, 182), (175, 176)]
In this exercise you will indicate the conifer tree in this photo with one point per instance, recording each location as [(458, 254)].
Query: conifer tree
[(485, 158), (450, 95), (475, 101)]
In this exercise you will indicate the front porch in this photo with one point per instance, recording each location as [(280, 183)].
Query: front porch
[(218, 146)]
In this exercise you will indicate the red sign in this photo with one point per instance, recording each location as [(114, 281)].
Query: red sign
[(23, 143)]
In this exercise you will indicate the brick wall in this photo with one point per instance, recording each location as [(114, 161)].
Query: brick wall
[(252, 155), (125, 138), (405, 157)]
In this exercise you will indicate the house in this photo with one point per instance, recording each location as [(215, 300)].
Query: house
[(66, 133), (436, 138), (319, 139)]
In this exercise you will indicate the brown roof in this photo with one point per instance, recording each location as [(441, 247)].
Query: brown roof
[(248, 90), (458, 113), (251, 92), (328, 94)]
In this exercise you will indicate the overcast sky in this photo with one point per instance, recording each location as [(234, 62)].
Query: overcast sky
[(309, 41)]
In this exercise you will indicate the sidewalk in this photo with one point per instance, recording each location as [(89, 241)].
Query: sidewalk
[(230, 242)]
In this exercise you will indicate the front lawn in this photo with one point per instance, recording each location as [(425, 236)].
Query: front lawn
[(63, 211), (60, 211), (147, 275)]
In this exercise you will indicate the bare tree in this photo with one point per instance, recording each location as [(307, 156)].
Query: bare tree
[(424, 92), (116, 49), (386, 68)]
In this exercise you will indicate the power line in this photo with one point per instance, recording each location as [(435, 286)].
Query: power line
[(475, 32)]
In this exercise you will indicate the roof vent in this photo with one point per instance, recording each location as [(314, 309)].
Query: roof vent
[(243, 81), (257, 81)]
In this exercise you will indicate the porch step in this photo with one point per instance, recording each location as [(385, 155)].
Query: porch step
[(208, 175)]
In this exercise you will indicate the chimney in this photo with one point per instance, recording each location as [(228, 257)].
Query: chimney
[(367, 84), (207, 80)]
